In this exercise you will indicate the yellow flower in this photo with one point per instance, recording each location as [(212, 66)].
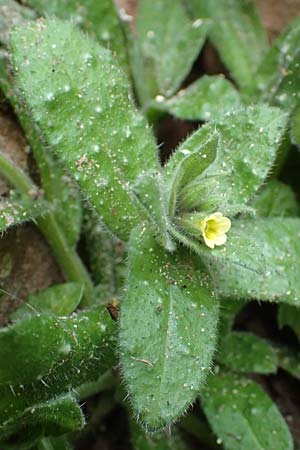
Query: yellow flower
[(214, 228)]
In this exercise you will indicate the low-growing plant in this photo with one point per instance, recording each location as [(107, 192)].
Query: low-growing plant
[(172, 252)]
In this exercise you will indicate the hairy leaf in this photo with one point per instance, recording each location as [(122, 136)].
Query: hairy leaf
[(243, 416), (59, 189), (53, 417), (236, 32), (18, 209), (106, 258), (289, 315), (277, 78), (276, 241), (228, 311), (276, 199), (48, 351), (59, 300), (289, 360), (245, 352), (167, 330), (79, 98), (247, 148), (186, 164), (163, 47), (206, 98), (98, 19)]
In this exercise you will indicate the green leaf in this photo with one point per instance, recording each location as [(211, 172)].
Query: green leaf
[(295, 126), (277, 250), (289, 315), (59, 189), (186, 164), (11, 15), (150, 190), (236, 32), (160, 441), (276, 199), (277, 78), (85, 114), (289, 360), (243, 416), (58, 416), (106, 258), (245, 352), (45, 359), (18, 209), (228, 311), (43, 349), (59, 300), (247, 148), (55, 443), (98, 19), (167, 330), (163, 47), (206, 98)]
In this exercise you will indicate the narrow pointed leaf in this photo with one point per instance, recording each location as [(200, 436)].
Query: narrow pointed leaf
[(187, 163), (80, 108), (243, 416), (249, 139), (150, 190), (236, 32), (167, 330)]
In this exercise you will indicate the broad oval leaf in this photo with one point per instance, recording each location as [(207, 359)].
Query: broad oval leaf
[(206, 98), (59, 416), (246, 352), (163, 47), (59, 300), (243, 416), (79, 98), (167, 330), (276, 199), (98, 19), (43, 349), (277, 245)]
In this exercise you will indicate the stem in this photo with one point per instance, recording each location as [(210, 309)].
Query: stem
[(66, 256), (16, 177)]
